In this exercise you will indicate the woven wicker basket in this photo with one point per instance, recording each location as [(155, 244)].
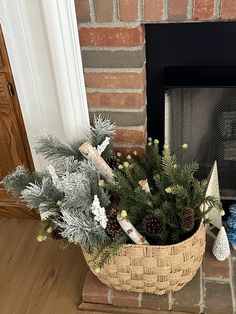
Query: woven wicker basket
[(154, 269)]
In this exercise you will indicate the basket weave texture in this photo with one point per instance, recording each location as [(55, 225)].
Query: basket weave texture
[(154, 269)]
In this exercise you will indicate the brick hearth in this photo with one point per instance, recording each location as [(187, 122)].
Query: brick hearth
[(112, 37), (212, 290)]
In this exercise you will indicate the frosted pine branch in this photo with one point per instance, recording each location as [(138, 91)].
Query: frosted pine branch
[(102, 127), (103, 146)]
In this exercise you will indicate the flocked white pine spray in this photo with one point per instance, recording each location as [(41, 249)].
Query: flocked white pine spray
[(103, 146), (54, 176), (99, 212)]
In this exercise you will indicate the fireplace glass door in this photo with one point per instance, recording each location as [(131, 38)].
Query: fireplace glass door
[(205, 118)]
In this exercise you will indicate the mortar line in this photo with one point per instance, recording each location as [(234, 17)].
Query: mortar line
[(202, 292), (92, 12), (118, 110), (115, 70), (113, 24), (217, 8), (140, 299), (232, 285), (190, 9), (165, 10), (140, 10), (170, 300), (115, 90), (92, 48), (115, 11)]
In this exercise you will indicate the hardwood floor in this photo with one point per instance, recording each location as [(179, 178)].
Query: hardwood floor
[(37, 278)]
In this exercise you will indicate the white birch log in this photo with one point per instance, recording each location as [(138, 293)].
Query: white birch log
[(130, 230), (90, 153), (144, 185)]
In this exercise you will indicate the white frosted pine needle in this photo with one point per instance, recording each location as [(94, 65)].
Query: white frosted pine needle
[(54, 176), (99, 212), (103, 146)]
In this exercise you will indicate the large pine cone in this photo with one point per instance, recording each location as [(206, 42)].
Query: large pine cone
[(113, 227), (187, 219), (152, 224)]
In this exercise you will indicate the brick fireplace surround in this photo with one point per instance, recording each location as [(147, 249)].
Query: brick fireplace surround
[(112, 38)]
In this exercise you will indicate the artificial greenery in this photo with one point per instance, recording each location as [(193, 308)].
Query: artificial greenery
[(77, 205)]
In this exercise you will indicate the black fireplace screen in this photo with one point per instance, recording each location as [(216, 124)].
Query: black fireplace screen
[(205, 118)]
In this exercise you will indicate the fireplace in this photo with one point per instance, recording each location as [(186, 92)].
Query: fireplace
[(191, 93)]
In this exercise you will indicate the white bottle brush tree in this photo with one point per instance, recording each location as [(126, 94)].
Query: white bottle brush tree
[(221, 248)]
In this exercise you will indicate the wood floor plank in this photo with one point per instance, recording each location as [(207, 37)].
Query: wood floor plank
[(37, 278)]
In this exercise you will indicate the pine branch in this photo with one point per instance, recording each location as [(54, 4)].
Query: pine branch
[(45, 193), (103, 256), (51, 148), (81, 229), (101, 128), (17, 181)]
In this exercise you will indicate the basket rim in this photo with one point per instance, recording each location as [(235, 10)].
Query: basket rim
[(166, 246)]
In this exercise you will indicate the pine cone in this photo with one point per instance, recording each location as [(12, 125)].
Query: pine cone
[(187, 219), (152, 224), (113, 227)]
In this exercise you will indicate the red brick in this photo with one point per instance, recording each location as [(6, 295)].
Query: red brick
[(82, 10), (116, 100), (211, 266), (203, 10), (178, 10), (111, 36), (136, 135), (155, 302), (228, 9), (153, 10), (94, 291), (103, 10), (126, 150), (128, 10), (122, 298), (115, 79)]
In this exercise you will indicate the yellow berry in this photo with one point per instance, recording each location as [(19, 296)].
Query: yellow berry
[(156, 141), (97, 270), (168, 190), (123, 213), (149, 143), (222, 212), (41, 237), (185, 146), (120, 167), (101, 183), (166, 146), (135, 153), (149, 139), (49, 230), (128, 157), (118, 154), (126, 164)]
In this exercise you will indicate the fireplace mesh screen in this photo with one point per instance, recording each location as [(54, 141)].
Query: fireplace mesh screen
[(205, 118)]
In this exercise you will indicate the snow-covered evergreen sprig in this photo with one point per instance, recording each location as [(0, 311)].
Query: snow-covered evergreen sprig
[(99, 212), (54, 176), (101, 128), (103, 146)]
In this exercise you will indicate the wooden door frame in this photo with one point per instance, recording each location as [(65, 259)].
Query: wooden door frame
[(49, 80)]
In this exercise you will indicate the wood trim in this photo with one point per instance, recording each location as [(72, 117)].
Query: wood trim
[(62, 31), (104, 308), (6, 68)]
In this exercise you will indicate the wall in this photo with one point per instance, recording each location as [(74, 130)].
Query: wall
[(112, 38)]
